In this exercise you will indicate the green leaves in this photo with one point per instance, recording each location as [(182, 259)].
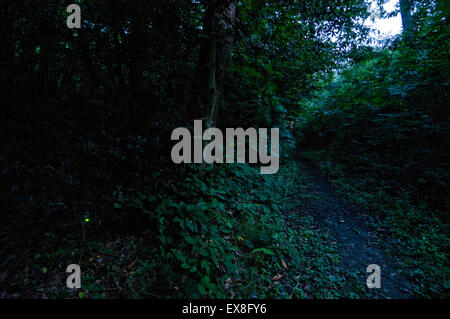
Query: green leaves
[(264, 251), (204, 239)]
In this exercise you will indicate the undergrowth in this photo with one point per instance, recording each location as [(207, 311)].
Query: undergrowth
[(417, 233), (231, 232)]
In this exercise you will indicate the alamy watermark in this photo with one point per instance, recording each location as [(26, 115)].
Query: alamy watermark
[(235, 138), (74, 19), (74, 279), (374, 280)]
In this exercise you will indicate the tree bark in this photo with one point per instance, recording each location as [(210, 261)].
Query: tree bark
[(211, 93), (405, 10), (213, 59), (225, 18)]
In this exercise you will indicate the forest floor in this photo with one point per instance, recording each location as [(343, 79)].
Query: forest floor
[(45, 196), (358, 244), (344, 226)]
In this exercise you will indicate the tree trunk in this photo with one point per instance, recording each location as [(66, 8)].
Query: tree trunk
[(214, 55), (211, 93), (225, 18), (405, 10)]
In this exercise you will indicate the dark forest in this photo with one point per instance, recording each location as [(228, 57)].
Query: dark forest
[(87, 121)]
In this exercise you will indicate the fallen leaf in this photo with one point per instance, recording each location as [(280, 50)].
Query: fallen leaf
[(228, 283), (277, 277), (132, 264)]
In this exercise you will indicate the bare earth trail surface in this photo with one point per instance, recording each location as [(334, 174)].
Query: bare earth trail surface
[(359, 245)]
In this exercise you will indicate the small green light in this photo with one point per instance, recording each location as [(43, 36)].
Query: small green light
[(87, 220)]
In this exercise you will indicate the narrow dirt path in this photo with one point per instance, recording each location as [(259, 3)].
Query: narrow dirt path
[(360, 245)]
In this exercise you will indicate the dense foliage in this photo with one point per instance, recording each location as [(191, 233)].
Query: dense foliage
[(86, 175), (383, 121)]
